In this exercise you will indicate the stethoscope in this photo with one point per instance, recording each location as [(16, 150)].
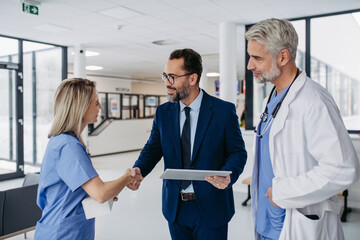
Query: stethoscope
[(265, 116)]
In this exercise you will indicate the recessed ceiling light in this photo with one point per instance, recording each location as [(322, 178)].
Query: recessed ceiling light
[(121, 13), (94, 68), (164, 42), (91, 54), (212, 74)]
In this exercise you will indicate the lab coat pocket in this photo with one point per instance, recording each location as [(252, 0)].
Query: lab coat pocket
[(310, 226)]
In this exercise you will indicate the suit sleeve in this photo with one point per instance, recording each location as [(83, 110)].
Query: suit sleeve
[(337, 166), (235, 151), (152, 152)]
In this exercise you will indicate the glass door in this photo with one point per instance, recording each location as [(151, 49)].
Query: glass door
[(10, 122)]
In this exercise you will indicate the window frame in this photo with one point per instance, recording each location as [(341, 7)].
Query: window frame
[(19, 101)]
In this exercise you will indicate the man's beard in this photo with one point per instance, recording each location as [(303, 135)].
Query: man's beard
[(271, 75), (179, 94)]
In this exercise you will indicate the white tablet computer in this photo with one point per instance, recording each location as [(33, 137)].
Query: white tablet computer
[(191, 174)]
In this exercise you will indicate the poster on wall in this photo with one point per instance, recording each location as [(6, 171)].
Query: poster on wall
[(217, 87), (114, 109)]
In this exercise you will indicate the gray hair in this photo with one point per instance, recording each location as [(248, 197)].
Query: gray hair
[(275, 35)]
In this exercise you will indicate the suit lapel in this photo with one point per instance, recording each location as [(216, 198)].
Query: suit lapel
[(204, 119), (173, 119)]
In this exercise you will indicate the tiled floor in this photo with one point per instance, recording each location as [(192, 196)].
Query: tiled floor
[(137, 215)]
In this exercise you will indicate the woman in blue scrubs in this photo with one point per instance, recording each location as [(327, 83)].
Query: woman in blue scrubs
[(67, 175)]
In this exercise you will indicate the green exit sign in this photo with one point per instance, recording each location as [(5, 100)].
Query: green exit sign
[(28, 8)]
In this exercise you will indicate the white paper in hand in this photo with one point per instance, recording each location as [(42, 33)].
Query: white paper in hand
[(93, 208)]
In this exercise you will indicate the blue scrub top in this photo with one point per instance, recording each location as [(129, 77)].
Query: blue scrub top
[(66, 167), (269, 219)]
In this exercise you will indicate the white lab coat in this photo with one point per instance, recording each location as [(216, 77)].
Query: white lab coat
[(313, 160)]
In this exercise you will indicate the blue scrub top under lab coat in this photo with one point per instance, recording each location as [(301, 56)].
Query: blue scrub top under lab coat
[(66, 167), (269, 219)]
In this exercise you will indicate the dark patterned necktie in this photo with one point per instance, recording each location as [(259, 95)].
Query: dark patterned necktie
[(185, 146)]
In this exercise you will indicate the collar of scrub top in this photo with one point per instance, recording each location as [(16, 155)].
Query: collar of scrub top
[(72, 133), (265, 116)]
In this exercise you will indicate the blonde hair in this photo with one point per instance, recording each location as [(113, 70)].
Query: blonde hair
[(72, 99)]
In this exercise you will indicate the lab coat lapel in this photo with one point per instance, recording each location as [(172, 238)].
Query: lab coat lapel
[(279, 121), (281, 117), (204, 119), (175, 129)]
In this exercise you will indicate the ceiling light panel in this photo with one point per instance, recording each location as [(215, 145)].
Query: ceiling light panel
[(120, 13), (212, 74), (93, 68)]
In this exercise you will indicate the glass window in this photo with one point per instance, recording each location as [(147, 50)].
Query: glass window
[(9, 50), (151, 103), (334, 64), (7, 122), (42, 75), (126, 106)]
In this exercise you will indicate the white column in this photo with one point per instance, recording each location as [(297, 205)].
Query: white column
[(79, 61), (227, 57), (204, 80), (241, 50)]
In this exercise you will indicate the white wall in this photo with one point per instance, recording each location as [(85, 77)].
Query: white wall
[(151, 88), (248, 137), (109, 84), (112, 85), (120, 136)]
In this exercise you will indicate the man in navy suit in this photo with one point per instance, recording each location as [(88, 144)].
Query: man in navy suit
[(194, 131)]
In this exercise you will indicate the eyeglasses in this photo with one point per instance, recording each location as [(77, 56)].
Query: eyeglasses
[(171, 79)]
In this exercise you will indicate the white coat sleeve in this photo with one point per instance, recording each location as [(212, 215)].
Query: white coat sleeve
[(337, 167)]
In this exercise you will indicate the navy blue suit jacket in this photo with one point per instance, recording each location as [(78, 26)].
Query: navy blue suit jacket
[(218, 145)]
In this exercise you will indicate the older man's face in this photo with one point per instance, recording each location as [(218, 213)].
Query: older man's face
[(261, 63)]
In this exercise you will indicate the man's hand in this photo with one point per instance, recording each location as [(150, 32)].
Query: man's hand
[(135, 172), (219, 181), (269, 195)]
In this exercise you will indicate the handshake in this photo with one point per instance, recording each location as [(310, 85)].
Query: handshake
[(133, 178)]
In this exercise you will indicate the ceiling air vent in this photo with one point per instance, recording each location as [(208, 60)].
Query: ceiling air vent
[(164, 42)]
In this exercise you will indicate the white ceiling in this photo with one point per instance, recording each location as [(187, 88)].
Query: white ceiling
[(122, 31)]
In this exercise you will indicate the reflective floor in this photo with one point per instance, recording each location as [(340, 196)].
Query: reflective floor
[(137, 215)]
